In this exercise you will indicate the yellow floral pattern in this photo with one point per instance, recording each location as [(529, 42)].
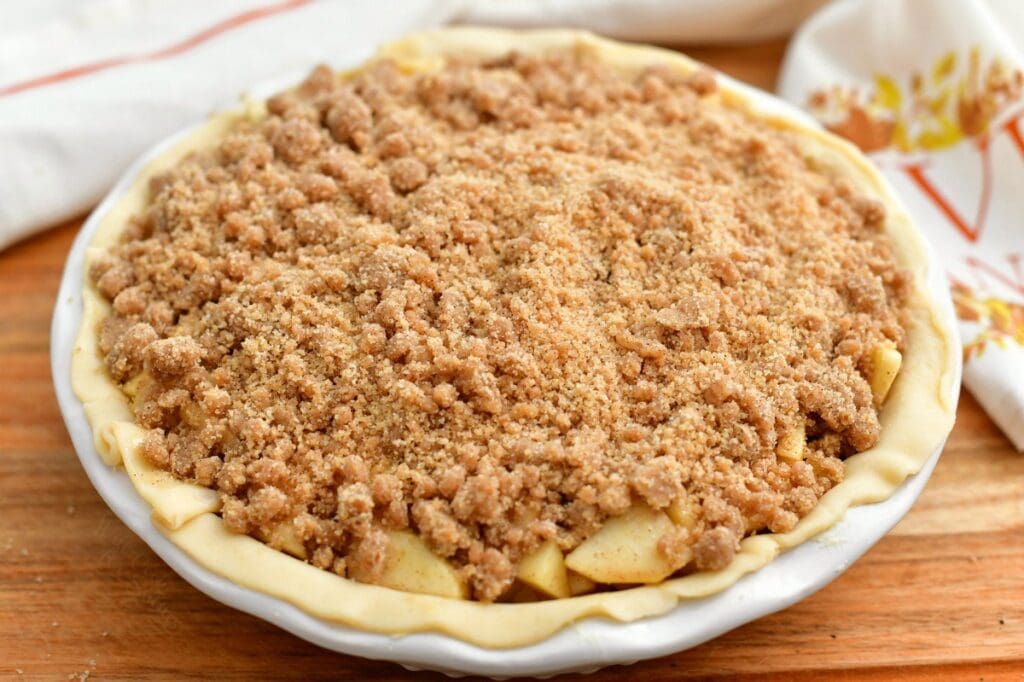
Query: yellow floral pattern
[(1001, 322), (934, 109)]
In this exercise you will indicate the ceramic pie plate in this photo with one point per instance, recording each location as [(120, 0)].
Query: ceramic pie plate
[(583, 646)]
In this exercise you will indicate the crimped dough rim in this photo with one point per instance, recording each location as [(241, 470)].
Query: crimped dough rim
[(917, 416)]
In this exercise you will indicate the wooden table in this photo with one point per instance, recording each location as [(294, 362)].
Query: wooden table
[(81, 596)]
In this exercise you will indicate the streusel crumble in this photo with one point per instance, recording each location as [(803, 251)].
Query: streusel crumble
[(498, 304)]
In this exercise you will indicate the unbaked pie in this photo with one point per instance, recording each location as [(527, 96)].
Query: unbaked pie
[(507, 317)]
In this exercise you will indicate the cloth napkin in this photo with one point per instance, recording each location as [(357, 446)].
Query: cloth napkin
[(930, 89)]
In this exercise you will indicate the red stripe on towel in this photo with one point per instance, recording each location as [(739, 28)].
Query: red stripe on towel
[(170, 51)]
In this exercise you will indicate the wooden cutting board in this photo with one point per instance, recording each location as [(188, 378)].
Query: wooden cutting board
[(941, 597)]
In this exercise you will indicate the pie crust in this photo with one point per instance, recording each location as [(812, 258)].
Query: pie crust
[(916, 417)]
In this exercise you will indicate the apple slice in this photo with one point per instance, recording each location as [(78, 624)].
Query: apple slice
[(412, 567), (625, 549), (544, 569)]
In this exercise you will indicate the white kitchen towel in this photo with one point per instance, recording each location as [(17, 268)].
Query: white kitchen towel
[(933, 91), (929, 88)]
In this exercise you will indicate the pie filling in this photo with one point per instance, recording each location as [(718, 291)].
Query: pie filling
[(505, 330)]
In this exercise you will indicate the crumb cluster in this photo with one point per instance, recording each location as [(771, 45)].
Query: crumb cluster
[(498, 303)]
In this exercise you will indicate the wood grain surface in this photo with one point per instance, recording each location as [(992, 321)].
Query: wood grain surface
[(941, 597)]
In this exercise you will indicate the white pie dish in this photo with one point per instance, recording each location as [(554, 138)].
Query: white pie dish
[(585, 645)]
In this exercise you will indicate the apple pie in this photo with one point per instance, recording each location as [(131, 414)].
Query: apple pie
[(501, 330)]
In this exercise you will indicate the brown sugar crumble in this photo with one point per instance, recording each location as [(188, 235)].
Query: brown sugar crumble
[(498, 303)]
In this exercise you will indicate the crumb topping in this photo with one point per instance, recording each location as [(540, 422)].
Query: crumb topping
[(498, 303)]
